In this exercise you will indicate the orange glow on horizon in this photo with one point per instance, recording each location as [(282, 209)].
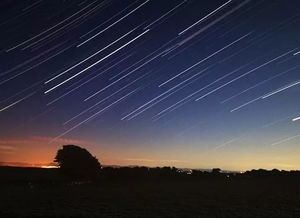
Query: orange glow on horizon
[(33, 151), (21, 164)]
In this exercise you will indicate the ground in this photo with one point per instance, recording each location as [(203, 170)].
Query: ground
[(259, 197)]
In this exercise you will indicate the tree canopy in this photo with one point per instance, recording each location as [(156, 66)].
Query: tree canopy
[(77, 162)]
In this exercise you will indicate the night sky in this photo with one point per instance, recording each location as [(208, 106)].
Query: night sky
[(183, 83)]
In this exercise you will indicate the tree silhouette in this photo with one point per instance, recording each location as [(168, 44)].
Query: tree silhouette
[(77, 163)]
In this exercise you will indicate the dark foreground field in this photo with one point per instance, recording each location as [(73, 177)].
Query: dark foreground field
[(42, 193)]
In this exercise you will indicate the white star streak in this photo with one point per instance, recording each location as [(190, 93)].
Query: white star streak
[(115, 40), (265, 96), (286, 139), (296, 53), (36, 65), (173, 105), (97, 62), (213, 23), (199, 62), (132, 71), (22, 91), (205, 17), (112, 24), (158, 19), (170, 49), (243, 75), (183, 49), (93, 116), (216, 89), (296, 119), (163, 115), (16, 102), (136, 63), (281, 89), (102, 49), (101, 68), (31, 6), (155, 103), (247, 103), (226, 143), (160, 95), (285, 60), (132, 65), (29, 60), (275, 122), (258, 84), (104, 99), (47, 30), (194, 93), (107, 20), (63, 28), (67, 27)]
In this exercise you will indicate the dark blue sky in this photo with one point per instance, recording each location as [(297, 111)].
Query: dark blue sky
[(185, 83)]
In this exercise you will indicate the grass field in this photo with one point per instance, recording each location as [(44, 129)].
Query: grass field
[(44, 195)]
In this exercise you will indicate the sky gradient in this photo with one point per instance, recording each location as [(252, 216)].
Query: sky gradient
[(195, 84)]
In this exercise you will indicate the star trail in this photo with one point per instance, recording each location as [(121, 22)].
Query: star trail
[(203, 82)]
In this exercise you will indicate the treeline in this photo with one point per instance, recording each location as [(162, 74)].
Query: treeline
[(77, 163), (40, 175), (134, 173)]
